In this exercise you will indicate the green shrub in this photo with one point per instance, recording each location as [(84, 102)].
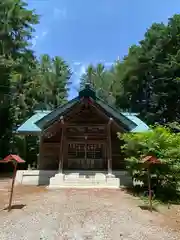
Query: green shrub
[(163, 144)]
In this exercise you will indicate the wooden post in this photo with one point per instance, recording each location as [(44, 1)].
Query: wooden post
[(148, 161), (85, 163), (61, 147), (12, 186), (65, 149), (104, 155), (40, 153), (109, 147), (149, 188), (25, 148)]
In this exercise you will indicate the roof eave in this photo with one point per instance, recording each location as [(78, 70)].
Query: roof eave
[(33, 133), (122, 119), (52, 116)]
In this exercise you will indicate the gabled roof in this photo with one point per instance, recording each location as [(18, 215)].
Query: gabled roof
[(42, 119), (86, 92)]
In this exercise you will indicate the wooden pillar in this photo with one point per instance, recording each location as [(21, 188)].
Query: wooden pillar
[(85, 163), (65, 149), (109, 147), (39, 162), (61, 152), (25, 148), (104, 154)]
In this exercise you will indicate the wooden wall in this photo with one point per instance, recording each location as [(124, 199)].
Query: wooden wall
[(78, 124), (117, 155)]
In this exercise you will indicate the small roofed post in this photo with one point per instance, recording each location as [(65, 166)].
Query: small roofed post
[(15, 159), (148, 161)]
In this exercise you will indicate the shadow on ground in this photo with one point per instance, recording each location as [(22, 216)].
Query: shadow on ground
[(16, 206), (161, 195), (147, 208)]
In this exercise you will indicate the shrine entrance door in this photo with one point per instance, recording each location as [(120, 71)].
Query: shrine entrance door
[(86, 155)]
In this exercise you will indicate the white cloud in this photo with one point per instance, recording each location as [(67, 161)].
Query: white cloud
[(34, 41), (78, 70), (44, 33), (108, 64), (80, 67), (77, 63), (60, 13), (82, 70), (39, 37)]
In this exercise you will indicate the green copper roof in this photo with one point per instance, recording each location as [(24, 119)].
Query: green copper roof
[(140, 125), (29, 126), (42, 119)]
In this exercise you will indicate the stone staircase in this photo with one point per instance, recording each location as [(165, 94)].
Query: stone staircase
[(84, 180)]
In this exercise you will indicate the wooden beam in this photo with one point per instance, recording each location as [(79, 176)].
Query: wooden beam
[(61, 147), (52, 127), (94, 125), (76, 109), (88, 141), (109, 147)]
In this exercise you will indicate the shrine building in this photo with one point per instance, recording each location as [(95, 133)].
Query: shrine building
[(78, 144)]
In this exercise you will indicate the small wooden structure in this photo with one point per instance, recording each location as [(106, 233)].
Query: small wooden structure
[(147, 162), (15, 159)]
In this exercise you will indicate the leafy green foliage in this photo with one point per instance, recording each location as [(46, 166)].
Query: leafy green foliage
[(147, 79), (52, 82), (100, 79), (151, 79), (26, 83), (159, 142), (15, 32)]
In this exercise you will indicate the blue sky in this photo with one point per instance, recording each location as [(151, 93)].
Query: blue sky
[(91, 31)]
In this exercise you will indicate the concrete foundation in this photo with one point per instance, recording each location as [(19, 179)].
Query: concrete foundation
[(73, 179)]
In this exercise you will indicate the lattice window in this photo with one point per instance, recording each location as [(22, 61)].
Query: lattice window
[(76, 150), (94, 151)]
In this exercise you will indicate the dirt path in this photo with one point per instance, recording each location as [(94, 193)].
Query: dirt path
[(81, 214)]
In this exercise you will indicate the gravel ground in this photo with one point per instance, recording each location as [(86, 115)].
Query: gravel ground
[(82, 215)]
